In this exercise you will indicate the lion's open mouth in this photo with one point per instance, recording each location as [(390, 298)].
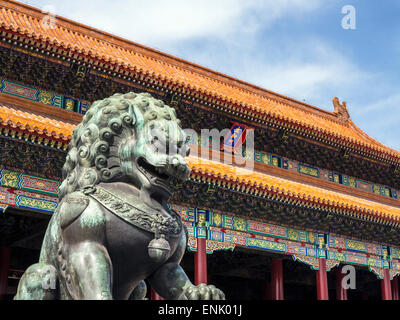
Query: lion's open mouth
[(153, 170)]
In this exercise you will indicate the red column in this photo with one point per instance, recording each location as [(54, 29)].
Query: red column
[(200, 262), (395, 288), (322, 281), (155, 296), (4, 266), (385, 286), (276, 279), (341, 293)]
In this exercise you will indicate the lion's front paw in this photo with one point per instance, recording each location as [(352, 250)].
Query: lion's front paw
[(203, 292)]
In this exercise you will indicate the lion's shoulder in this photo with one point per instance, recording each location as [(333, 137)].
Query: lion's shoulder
[(71, 207)]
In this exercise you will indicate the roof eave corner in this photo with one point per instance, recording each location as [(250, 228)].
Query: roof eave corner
[(341, 111)]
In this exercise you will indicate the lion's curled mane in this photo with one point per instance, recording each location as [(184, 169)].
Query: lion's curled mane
[(94, 153)]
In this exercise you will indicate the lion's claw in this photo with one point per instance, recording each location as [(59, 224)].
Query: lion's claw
[(203, 292)]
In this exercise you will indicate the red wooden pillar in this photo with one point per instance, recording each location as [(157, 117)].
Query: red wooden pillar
[(200, 262), (4, 266), (385, 286), (322, 281), (341, 293), (395, 288), (276, 287), (155, 296)]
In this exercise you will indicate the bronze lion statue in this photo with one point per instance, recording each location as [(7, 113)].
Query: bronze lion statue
[(113, 227)]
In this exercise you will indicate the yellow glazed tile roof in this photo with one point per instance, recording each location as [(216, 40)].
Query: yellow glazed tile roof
[(249, 180), (253, 180), (69, 35), (17, 119)]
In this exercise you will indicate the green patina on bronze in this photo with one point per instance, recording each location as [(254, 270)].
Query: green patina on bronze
[(113, 227), (93, 217)]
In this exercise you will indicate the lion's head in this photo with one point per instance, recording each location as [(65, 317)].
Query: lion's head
[(127, 137)]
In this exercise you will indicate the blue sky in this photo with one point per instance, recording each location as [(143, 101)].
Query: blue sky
[(294, 47)]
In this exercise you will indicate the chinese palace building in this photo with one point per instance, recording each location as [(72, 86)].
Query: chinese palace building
[(322, 194)]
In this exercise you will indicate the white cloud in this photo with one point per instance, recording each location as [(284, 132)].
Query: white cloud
[(310, 69), (158, 22), (387, 106), (313, 72)]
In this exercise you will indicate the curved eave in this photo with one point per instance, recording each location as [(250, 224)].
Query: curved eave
[(29, 126), (291, 192), (378, 146)]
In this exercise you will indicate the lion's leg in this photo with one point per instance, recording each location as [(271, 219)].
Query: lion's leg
[(92, 271), (172, 283), (39, 282)]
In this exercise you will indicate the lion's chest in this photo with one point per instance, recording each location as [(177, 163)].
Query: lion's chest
[(127, 246)]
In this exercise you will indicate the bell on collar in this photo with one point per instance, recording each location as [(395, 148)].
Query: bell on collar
[(159, 248)]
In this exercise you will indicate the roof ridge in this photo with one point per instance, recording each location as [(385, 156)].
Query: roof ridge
[(175, 61), (369, 138), (179, 72)]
